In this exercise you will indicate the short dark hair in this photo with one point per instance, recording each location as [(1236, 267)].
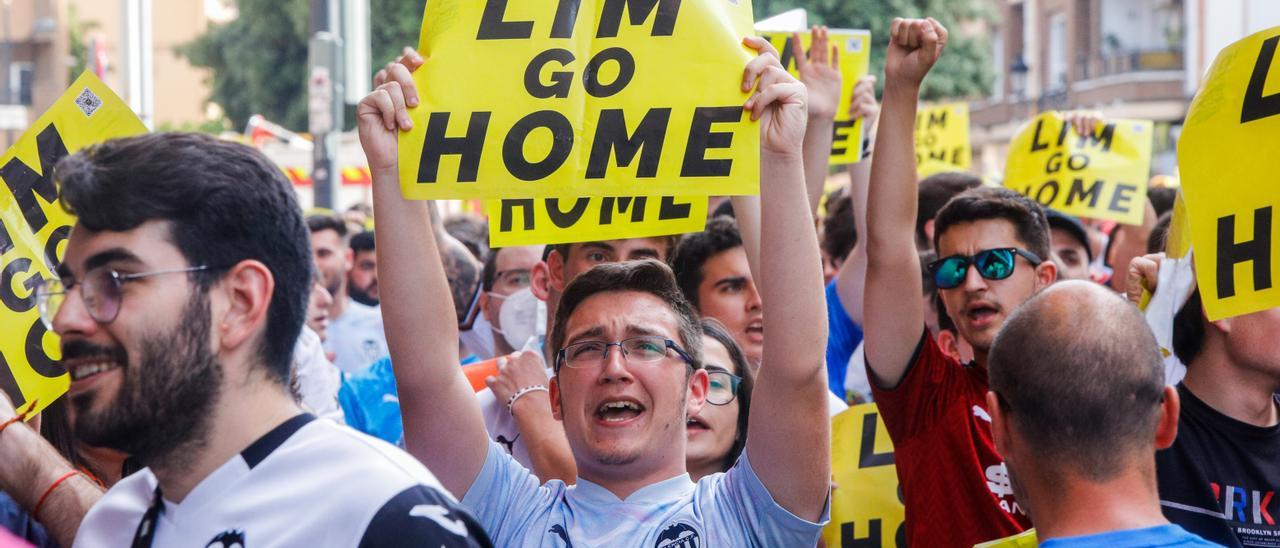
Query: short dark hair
[(1081, 377), (321, 222), (1162, 198), (838, 232), (1189, 329), (712, 327), (644, 276), (1159, 237), (472, 231), (988, 203), (668, 247), (696, 248), (224, 203), (362, 242), (934, 192)]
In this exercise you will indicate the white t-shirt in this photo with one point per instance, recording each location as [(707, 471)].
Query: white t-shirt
[(318, 380), (729, 509), (356, 338), (306, 483)]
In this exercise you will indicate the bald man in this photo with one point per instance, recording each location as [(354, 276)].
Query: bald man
[(1078, 408)]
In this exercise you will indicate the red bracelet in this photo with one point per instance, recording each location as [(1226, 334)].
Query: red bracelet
[(36, 513), (20, 417)]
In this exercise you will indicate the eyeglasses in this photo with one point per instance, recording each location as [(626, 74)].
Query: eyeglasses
[(515, 279), (647, 349), (100, 290), (722, 387), (993, 264)]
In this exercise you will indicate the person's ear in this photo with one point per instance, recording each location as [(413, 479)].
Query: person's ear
[(1046, 274), (949, 345), (698, 385), (555, 270), (999, 425), (349, 258), (553, 392), (928, 231), (1223, 325), (245, 294), (483, 303), (540, 281), (1167, 427)]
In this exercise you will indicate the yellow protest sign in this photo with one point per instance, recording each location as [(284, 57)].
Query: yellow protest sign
[(855, 58), (34, 229), (942, 139), (573, 98), (530, 221), (865, 508), (1100, 176), (1025, 539), (1229, 171)]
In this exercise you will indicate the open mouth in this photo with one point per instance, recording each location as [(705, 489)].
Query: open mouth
[(981, 314), (618, 411), (87, 369), (696, 425), (755, 331)]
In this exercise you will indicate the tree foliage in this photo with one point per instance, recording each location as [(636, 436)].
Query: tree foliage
[(966, 69), (259, 60)]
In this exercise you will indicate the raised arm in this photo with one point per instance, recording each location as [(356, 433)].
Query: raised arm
[(851, 280), (443, 426), (890, 329), (30, 469), (819, 70), (543, 435), (789, 435)]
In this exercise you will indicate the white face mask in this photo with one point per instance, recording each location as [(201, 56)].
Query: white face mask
[(522, 316), (479, 339)]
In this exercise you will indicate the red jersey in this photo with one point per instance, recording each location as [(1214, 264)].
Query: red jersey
[(954, 484)]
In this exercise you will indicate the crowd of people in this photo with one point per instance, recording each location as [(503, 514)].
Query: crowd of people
[(243, 374)]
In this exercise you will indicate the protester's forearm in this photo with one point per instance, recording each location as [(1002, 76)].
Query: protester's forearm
[(1131, 241), (544, 437), (746, 211), (817, 157), (852, 278), (791, 289), (436, 401), (30, 467)]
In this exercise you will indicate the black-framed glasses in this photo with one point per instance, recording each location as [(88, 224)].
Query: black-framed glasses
[(647, 349), (722, 387), (993, 264), (100, 290)]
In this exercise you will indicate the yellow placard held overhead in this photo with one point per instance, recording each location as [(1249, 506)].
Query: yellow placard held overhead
[(1231, 178), (34, 229), (865, 508), (573, 98), (1100, 176), (855, 58), (530, 221), (942, 139)]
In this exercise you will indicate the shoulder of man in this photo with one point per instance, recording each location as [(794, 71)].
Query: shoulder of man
[(423, 516), (113, 520)]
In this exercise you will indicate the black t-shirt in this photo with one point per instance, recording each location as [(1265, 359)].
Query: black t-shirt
[(1219, 479)]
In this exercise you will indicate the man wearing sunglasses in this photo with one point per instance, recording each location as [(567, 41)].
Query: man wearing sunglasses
[(182, 292), (627, 349), (991, 244)]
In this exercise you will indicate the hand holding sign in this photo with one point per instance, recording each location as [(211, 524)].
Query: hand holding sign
[(914, 46), (779, 100), (819, 70), (864, 105)]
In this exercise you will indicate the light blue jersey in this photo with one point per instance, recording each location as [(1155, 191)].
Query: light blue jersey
[(730, 509)]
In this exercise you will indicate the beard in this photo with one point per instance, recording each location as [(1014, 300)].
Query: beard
[(358, 294), (164, 403)]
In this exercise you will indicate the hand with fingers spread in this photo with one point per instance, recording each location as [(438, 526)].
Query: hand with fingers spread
[(914, 46), (779, 102), (864, 104), (386, 110), (819, 70)]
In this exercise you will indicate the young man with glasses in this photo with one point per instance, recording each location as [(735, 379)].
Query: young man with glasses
[(628, 370), (991, 243), (182, 292)]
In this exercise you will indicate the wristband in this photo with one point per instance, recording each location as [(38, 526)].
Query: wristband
[(532, 388), (19, 417), (36, 512)]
